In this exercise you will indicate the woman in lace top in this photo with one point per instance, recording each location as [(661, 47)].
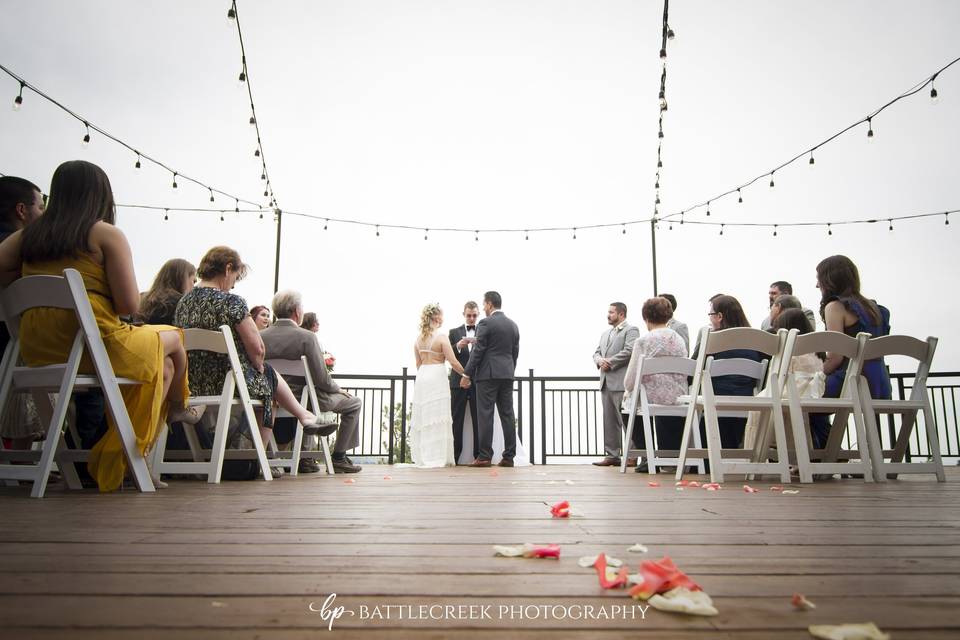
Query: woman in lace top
[(660, 341)]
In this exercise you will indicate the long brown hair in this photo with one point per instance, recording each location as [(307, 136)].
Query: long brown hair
[(733, 315), (838, 277), (168, 283), (80, 196)]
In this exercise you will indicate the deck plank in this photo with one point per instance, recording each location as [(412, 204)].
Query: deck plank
[(246, 559)]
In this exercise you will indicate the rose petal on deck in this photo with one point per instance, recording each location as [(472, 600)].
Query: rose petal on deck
[(349, 481), (637, 548), (711, 486), (569, 482), (617, 581), (776, 487), (387, 478), (859, 631), (799, 601), (682, 600), (653, 483), (508, 551), (748, 489), (791, 492), (541, 551), (681, 483), (589, 561), (661, 576), (494, 473), (694, 484), (560, 510)]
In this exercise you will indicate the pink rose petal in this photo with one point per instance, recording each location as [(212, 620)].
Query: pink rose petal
[(748, 489)]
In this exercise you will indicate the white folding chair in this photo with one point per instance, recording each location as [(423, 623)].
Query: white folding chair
[(778, 347), (66, 292), (842, 407), (918, 402), (210, 463), (639, 405), (308, 400)]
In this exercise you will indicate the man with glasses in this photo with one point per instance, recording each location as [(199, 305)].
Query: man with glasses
[(462, 339)]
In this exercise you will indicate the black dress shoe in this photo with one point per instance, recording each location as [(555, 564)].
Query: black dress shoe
[(480, 462), (506, 462), (308, 465), (642, 468)]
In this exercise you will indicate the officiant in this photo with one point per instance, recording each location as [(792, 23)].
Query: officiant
[(462, 339)]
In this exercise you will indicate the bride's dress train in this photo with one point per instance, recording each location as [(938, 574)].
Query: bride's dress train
[(431, 428), (521, 459)]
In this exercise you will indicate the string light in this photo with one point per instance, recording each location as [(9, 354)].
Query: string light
[(739, 196), (708, 207), (211, 195), (946, 218), (891, 225), (869, 130), (574, 233), (166, 214), (721, 229), (811, 159), (624, 230), (137, 165), (378, 231), (476, 236), (326, 223), (670, 34), (256, 152), (426, 232), (253, 121), (237, 206), (663, 55), (221, 216), (829, 230), (174, 180), (526, 234), (771, 179), (231, 14), (934, 96), (86, 137), (18, 101)]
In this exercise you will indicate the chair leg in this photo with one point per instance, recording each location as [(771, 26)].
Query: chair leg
[(325, 443), (627, 441), (67, 469), (219, 446), (296, 452), (648, 441), (52, 441), (685, 438), (903, 438), (701, 466), (779, 431), (798, 426), (873, 438), (934, 441)]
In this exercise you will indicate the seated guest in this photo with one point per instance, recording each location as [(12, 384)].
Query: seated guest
[(843, 308), (806, 369), (662, 388), (286, 340), (726, 313), (781, 304), (210, 305), (676, 325), (175, 278), (20, 204), (77, 232), (261, 317), (309, 322), (781, 288)]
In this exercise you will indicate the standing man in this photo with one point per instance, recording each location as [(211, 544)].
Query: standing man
[(676, 325), (784, 288), (492, 363), (462, 339), (611, 357), (286, 340)]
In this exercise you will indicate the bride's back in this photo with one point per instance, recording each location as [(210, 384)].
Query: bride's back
[(431, 348)]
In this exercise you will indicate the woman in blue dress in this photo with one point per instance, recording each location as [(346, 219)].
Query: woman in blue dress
[(844, 309)]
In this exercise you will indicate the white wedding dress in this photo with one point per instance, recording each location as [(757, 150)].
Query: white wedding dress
[(431, 426)]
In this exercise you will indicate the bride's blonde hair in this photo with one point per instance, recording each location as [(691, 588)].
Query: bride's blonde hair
[(427, 315)]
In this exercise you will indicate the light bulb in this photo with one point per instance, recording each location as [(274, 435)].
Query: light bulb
[(829, 230), (237, 205), (934, 96), (253, 121), (231, 15), (242, 80), (774, 231), (86, 137), (137, 165), (663, 55), (708, 208), (256, 153), (17, 102), (721, 229), (869, 130), (811, 159), (739, 196), (211, 195), (670, 34), (174, 181)]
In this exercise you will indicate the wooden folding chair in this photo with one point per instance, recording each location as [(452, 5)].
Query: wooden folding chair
[(778, 347), (639, 405), (918, 402), (847, 404), (308, 400), (210, 463), (66, 292)]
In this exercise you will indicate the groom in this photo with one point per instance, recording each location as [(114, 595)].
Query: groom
[(493, 362)]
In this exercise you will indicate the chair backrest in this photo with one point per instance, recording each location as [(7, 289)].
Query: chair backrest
[(738, 367), (297, 368), (826, 341), (667, 364), (779, 346), (33, 292), (920, 350), (205, 340)]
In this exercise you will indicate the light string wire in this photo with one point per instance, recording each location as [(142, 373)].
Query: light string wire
[(808, 152), (24, 84), (666, 34), (245, 77)]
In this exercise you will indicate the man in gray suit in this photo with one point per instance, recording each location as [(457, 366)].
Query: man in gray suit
[(286, 340), (491, 367), (611, 357)]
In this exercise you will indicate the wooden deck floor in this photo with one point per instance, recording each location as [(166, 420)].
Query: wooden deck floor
[(246, 559)]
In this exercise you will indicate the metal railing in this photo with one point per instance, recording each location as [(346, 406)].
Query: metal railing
[(560, 418)]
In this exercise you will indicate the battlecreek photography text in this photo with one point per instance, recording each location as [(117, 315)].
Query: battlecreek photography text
[(329, 612)]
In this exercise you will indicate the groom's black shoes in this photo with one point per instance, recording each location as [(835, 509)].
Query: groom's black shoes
[(480, 462), (506, 462)]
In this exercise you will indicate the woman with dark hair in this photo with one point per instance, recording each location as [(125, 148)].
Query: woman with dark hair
[(844, 309), (310, 322), (175, 278), (77, 232), (726, 313), (210, 305), (261, 316)]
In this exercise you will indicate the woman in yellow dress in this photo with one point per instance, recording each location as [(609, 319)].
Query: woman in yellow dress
[(77, 232)]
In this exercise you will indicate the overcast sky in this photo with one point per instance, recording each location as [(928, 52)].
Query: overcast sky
[(510, 113)]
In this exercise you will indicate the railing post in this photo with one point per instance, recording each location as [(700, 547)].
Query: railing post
[(393, 417), (543, 422), (518, 428), (532, 442), (403, 417)]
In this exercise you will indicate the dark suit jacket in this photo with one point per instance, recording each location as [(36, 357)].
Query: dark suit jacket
[(285, 340), (463, 355), (494, 356)]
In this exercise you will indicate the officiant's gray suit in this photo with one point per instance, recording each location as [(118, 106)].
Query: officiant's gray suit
[(616, 345), (491, 368)]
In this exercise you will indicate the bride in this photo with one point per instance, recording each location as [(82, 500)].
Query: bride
[(431, 431)]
